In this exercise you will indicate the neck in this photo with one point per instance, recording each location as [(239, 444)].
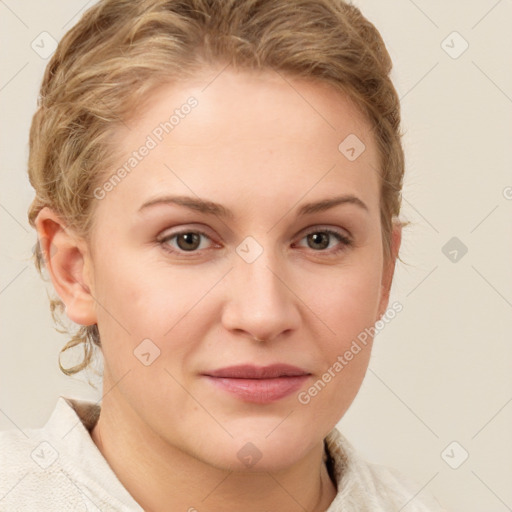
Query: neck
[(160, 476)]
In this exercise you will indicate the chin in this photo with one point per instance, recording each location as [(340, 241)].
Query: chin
[(259, 451)]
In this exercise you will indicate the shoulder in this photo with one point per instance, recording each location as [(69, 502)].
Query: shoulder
[(53, 467), (364, 486), (29, 468)]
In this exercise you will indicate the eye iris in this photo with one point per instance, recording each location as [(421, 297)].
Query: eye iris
[(190, 239), (319, 238)]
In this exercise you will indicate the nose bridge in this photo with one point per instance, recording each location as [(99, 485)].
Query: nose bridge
[(263, 280), (260, 302)]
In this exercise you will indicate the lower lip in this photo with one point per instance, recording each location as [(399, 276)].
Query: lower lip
[(260, 391)]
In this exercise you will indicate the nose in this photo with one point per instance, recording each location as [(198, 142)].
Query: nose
[(261, 304)]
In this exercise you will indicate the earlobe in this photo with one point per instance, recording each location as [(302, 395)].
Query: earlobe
[(67, 260)]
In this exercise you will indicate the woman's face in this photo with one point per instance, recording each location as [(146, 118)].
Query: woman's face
[(175, 312)]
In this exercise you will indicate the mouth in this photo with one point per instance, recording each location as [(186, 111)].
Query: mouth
[(258, 384)]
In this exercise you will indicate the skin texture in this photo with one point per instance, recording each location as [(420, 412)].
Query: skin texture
[(262, 146)]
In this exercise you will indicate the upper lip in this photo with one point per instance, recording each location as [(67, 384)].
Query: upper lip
[(249, 371)]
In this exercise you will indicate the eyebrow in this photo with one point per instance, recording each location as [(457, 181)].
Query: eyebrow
[(212, 208)]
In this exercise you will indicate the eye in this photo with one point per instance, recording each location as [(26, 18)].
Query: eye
[(320, 240), (186, 241)]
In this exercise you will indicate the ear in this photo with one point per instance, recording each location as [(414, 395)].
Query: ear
[(389, 267), (68, 263)]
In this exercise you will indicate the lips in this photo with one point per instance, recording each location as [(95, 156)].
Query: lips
[(248, 371), (258, 384)]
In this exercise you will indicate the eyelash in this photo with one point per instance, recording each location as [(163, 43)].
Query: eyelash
[(345, 241)]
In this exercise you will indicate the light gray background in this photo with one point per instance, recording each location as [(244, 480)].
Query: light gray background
[(441, 370)]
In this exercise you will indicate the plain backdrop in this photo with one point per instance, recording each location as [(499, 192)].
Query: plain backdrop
[(439, 387)]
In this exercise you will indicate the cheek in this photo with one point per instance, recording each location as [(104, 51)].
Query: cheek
[(137, 300), (348, 305), (346, 300)]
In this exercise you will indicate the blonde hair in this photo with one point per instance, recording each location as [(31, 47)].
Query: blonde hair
[(121, 49)]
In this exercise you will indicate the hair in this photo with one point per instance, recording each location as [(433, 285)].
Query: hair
[(120, 50)]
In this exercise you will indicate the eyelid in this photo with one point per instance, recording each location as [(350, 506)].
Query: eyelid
[(319, 228)]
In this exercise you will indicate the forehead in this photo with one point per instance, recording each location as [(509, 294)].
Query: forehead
[(248, 101), (245, 133)]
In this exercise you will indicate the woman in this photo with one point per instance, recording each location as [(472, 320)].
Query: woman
[(217, 199)]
